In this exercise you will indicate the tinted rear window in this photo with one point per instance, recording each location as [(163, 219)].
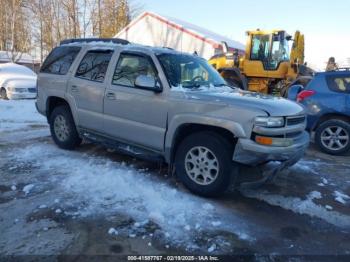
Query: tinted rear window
[(338, 83), (94, 65), (60, 59)]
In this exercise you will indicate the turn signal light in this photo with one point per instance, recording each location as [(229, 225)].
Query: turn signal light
[(264, 140)]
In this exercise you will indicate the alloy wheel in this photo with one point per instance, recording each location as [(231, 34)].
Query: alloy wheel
[(61, 128), (335, 138), (201, 165)]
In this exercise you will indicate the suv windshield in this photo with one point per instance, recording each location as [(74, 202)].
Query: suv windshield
[(189, 71)]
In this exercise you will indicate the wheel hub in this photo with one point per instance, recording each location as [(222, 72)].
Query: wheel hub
[(201, 165), (61, 128)]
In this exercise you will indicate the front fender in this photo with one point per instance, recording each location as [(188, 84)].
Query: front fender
[(4, 83), (179, 120)]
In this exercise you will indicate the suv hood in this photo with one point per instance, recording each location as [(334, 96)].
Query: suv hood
[(274, 106)]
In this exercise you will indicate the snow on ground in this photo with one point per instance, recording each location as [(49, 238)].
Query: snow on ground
[(308, 166), (99, 186), (19, 114), (341, 197), (302, 206)]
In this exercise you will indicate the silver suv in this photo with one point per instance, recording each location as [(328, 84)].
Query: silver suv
[(162, 105)]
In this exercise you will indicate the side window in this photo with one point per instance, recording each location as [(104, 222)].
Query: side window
[(94, 65), (59, 60), (129, 67), (339, 84)]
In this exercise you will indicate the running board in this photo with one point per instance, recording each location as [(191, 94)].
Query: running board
[(122, 147)]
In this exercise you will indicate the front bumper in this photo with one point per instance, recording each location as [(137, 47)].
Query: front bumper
[(249, 152), (21, 95)]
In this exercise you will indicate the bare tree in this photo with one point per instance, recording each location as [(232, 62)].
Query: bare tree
[(14, 32), (42, 24), (110, 17)]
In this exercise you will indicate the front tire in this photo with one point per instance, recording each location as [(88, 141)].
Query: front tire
[(203, 163), (333, 137), (62, 128)]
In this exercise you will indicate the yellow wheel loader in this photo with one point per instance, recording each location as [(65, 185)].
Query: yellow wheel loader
[(267, 66)]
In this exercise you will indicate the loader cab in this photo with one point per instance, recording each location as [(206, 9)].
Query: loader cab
[(269, 47)]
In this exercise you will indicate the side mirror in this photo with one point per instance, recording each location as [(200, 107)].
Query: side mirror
[(293, 92), (148, 83)]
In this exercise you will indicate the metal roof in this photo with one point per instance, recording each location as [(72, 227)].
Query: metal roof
[(193, 30)]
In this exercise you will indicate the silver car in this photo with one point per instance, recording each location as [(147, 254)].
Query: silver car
[(162, 105)]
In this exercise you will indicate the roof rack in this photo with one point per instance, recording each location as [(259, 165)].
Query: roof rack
[(89, 40)]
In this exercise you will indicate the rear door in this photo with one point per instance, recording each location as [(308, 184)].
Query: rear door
[(54, 72), (135, 115), (87, 87)]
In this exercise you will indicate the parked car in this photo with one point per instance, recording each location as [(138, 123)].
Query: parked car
[(327, 100), (163, 105), (17, 82)]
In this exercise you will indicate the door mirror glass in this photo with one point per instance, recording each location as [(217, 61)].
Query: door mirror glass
[(147, 82)]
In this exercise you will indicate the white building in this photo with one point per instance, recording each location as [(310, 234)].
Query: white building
[(155, 30)]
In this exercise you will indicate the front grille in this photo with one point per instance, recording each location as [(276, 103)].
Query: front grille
[(32, 90), (295, 120)]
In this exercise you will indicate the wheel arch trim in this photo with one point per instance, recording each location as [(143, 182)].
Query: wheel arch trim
[(185, 120), (69, 102)]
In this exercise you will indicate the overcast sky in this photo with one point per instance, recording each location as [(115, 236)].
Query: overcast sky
[(326, 24)]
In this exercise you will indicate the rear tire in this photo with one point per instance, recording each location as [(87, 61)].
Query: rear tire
[(203, 163), (3, 94), (333, 137), (63, 129)]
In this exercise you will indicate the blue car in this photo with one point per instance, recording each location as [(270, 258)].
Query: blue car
[(327, 99)]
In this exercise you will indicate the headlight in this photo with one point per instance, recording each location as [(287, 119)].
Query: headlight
[(266, 121), (11, 89)]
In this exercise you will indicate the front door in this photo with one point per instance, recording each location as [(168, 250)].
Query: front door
[(135, 115)]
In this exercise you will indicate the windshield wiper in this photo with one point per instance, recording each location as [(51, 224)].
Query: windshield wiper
[(222, 84), (194, 85)]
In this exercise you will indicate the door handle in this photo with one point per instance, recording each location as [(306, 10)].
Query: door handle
[(74, 88), (111, 95)]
